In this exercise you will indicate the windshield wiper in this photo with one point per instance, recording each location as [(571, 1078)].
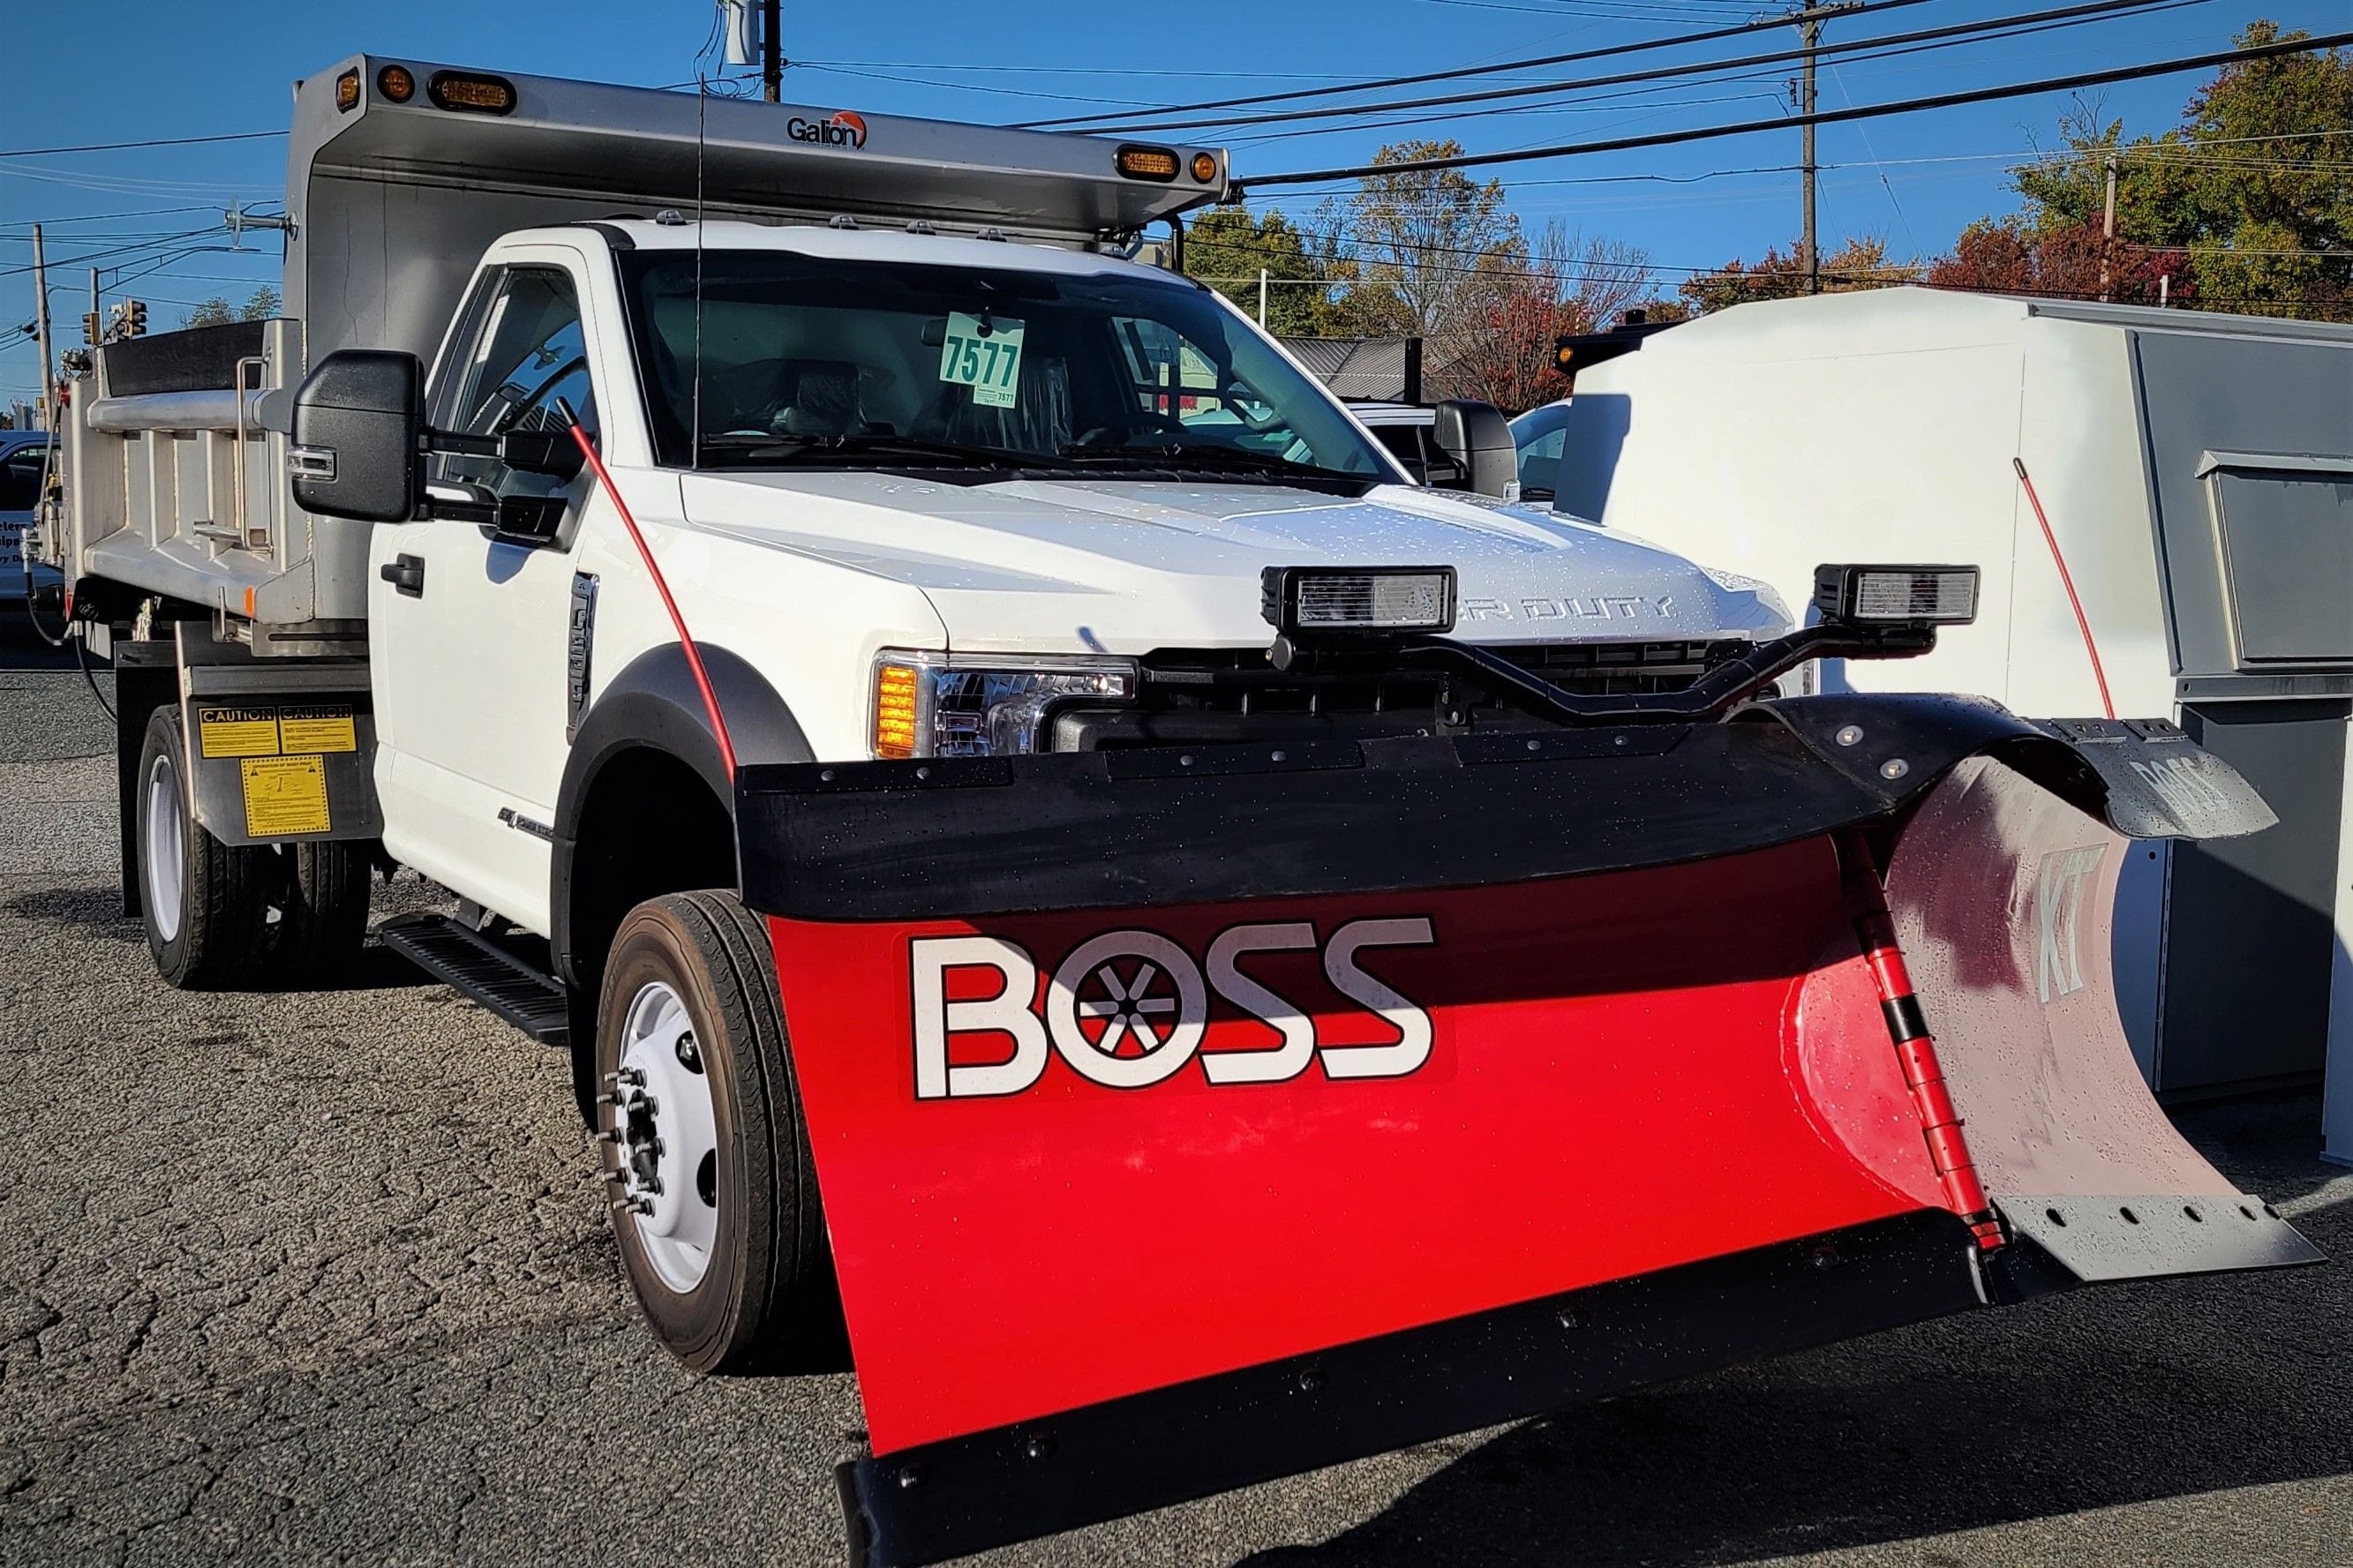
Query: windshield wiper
[(793, 449), (1225, 459)]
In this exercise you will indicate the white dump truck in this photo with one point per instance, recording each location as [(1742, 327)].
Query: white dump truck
[(1255, 932)]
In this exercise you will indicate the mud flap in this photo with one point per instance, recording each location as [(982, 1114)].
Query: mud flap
[(1184, 1120)]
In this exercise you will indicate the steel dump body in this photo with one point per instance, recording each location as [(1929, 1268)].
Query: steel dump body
[(175, 475)]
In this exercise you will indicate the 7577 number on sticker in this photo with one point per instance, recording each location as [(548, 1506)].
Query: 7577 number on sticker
[(1127, 1009), (984, 357)]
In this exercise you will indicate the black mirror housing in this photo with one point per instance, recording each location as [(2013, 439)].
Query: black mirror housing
[(359, 425), (1477, 438), (553, 453)]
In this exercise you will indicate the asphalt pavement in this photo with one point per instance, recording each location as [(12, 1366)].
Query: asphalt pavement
[(324, 1277)]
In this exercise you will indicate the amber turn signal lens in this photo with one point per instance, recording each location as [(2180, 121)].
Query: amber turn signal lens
[(894, 710), (1146, 162), (475, 94), (1205, 167), (395, 84), (347, 91)]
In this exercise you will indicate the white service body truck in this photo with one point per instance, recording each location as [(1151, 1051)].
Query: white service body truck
[(932, 468)]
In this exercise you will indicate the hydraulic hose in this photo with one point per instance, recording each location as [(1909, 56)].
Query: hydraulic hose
[(661, 587)]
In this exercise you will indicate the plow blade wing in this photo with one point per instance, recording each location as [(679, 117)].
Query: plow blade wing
[(1187, 1119), (2002, 894)]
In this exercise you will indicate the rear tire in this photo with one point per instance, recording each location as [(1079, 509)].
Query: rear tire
[(219, 915), (707, 1156)]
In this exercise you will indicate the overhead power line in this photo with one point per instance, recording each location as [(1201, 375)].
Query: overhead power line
[(1458, 73), (1824, 117), (1885, 49), (121, 146), (2096, 10)]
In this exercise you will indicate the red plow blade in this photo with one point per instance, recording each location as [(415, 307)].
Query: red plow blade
[(1174, 1134)]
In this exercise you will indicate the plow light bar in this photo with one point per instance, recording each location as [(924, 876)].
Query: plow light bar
[(1897, 596), (1357, 601)]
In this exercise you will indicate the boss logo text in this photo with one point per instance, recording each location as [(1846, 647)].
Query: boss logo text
[(1127, 1009)]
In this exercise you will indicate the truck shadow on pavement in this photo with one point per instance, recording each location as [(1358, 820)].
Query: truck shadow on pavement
[(98, 913), (2099, 1397)]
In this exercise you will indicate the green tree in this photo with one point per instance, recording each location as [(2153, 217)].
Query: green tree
[(1226, 248), (2244, 205), (260, 305)]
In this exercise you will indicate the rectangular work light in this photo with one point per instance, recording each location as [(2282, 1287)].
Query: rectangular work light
[(1357, 601), (1897, 596)]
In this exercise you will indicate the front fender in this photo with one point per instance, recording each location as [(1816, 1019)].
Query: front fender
[(653, 704)]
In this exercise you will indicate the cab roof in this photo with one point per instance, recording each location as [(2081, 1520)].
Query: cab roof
[(867, 242)]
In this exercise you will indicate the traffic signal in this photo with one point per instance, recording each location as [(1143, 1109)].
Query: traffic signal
[(135, 319), (93, 329)]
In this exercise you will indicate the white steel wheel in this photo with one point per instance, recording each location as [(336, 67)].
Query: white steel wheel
[(665, 1137), (163, 846), (707, 1164)]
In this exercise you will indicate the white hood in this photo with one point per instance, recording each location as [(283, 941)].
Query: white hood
[(1127, 566)]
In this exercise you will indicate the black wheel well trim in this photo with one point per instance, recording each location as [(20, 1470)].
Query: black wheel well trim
[(654, 706)]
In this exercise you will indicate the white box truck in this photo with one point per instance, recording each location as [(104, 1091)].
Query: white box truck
[(1041, 846), (2195, 472)]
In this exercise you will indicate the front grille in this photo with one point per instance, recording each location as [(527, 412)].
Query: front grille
[(1198, 697)]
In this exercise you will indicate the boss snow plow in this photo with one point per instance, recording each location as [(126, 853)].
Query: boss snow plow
[(1189, 1117)]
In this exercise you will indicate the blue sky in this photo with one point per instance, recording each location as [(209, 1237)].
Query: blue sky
[(171, 68)]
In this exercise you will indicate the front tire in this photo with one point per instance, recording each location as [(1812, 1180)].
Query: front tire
[(707, 1158)]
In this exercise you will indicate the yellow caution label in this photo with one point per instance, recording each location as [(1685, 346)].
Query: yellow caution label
[(284, 797), (307, 731), (237, 732)]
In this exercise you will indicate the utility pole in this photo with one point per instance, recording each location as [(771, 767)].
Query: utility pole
[(1262, 299), (1810, 28), (2108, 230), (772, 53), (41, 333)]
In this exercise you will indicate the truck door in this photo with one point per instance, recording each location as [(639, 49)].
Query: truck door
[(469, 629)]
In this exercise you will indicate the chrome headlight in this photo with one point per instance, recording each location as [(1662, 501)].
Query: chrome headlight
[(978, 705)]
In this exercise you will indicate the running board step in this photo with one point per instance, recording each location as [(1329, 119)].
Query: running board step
[(464, 960)]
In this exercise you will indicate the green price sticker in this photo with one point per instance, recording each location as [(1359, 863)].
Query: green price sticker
[(986, 358)]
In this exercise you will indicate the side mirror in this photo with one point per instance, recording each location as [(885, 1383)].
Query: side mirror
[(1478, 440), (358, 422)]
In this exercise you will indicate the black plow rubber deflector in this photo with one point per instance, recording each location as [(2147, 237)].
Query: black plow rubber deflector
[(961, 837), (945, 1500), (472, 964)]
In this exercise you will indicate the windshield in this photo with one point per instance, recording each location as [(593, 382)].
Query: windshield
[(808, 359)]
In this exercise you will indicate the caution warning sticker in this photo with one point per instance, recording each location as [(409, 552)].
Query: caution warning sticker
[(284, 797), (237, 732), (303, 730)]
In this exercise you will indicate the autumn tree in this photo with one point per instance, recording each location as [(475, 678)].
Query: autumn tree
[(1434, 248), (1570, 285), (2244, 205), (2063, 261), (1859, 263)]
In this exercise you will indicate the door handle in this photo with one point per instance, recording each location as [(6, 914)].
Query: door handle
[(406, 573)]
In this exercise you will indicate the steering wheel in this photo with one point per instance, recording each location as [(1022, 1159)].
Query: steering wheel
[(1151, 422), (1234, 394)]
